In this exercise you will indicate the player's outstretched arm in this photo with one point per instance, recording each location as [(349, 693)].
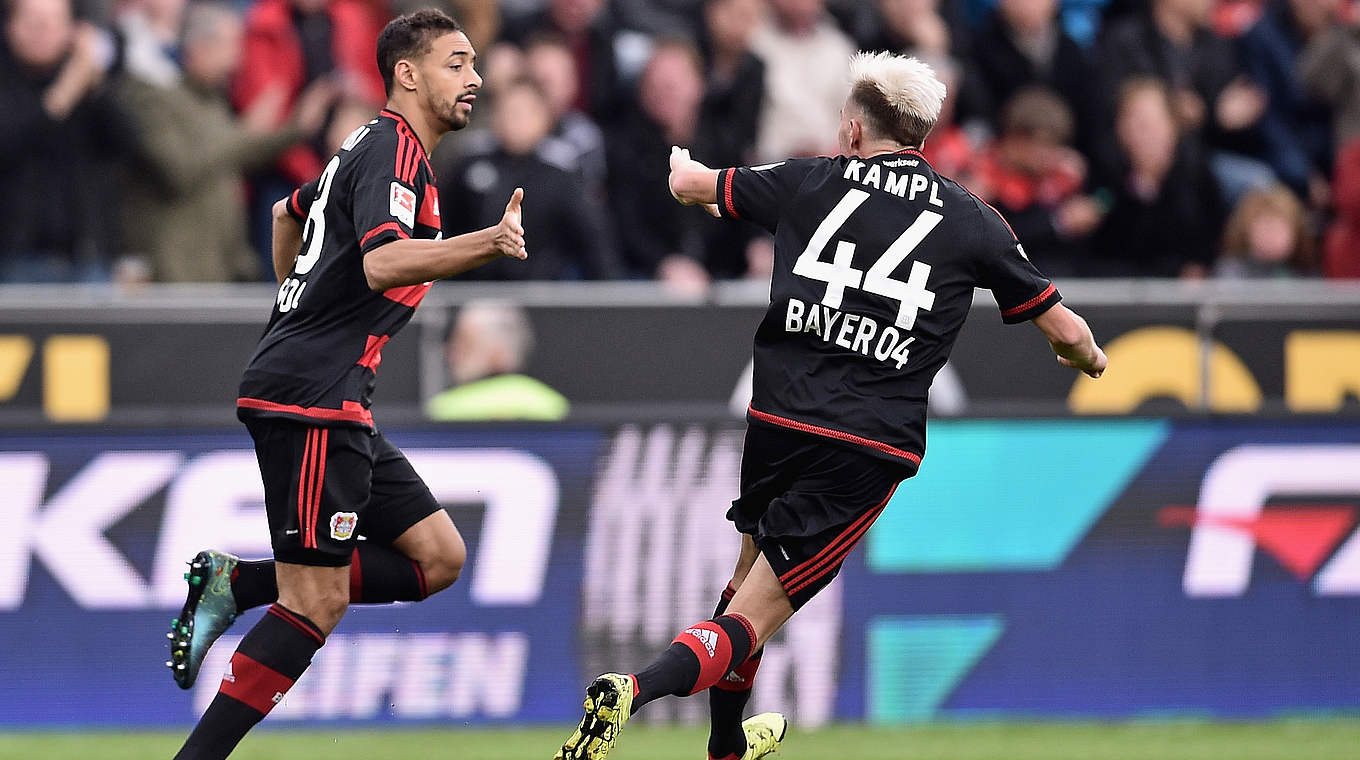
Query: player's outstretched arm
[(412, 262), (1071, 339), (691, 182), (287, 240)]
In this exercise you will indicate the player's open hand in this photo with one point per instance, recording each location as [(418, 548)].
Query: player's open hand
[(509, 239), (1093, 366)]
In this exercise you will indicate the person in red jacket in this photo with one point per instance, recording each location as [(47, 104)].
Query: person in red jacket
[(1341, 248), (291, 44)]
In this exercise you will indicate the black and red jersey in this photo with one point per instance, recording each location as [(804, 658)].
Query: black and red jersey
[(876, 260), (319, 354)]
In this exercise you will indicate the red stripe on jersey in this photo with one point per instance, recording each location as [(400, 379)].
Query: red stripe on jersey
[(349, 411), (403, 145), (373, 351), (429, 208), (254, 684), (727, 195), (409, 295), (385, 226), (1031, 303), (804, 427)]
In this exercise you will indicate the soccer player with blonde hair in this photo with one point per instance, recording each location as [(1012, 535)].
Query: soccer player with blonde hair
[(876, 260)]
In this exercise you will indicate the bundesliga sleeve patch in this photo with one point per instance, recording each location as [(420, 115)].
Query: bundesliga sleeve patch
[(402, 204)]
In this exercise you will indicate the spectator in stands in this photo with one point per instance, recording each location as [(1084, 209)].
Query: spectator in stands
[(62, 137), (734, 88), (289, 46), (1341, 248), (1212, 98), (912, 27), (150, 31), (734, 93), (1023, 45), (806, 58), (1329, 67), (659, 238), (549, 62), (570, 239), (1165, 214), (590, 32), (486, 351), (184, 206), (1268, 236), (1296, 128), (951, 148), (1034, 178)]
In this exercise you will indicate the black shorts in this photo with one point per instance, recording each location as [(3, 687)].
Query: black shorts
[(325, 486), (807, 502)]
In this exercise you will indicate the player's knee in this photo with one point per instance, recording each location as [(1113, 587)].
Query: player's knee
[(444, 568)]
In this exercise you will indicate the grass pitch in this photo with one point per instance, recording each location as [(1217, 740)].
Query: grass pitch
[(1279, 740)]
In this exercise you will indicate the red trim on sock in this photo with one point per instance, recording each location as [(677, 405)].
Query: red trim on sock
[(728, 593), (712, 647), (725, 757), (636, 689), (750, 630), (255, 685), (298, 622), (356, 577), (740, 678), (420, 578)]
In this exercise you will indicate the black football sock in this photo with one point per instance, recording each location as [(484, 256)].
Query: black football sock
[(698, 658), (727, 701), (264, 667), (377, 574), (253, 583)]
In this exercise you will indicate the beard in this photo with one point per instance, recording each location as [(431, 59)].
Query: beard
[(447, 112)]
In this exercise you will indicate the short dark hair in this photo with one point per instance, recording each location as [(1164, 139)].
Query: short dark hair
[(410, 35)]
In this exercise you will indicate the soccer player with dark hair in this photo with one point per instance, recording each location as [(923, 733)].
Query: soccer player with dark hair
[(354, 251), (876, 259)]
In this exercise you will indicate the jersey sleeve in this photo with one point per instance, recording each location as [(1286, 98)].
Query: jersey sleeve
[(385, 196), (299, 204), (1022, 292), (761, 193)]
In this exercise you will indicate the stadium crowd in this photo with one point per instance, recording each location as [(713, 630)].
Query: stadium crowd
[(146, 139)]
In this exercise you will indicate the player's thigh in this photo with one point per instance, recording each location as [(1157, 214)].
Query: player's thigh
[(745, 561), (403, 514), (316, 483), (808, 531)]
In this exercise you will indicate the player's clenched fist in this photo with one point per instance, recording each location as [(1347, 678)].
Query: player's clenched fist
[(509, 240)]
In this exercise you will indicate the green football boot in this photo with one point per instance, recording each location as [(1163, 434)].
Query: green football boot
[(209, 610)]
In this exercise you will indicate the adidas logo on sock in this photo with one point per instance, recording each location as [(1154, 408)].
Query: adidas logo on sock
[(709, 638), (733, 677)]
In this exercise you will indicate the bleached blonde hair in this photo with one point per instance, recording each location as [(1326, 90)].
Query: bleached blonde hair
[(900, 96)]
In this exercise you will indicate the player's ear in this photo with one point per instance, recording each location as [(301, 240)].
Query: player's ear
[(856, 135), (405, 75)]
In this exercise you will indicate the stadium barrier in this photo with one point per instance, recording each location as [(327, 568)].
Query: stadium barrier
[(1113, 568)]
